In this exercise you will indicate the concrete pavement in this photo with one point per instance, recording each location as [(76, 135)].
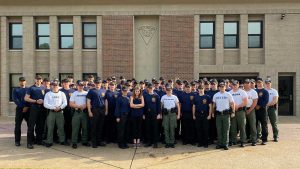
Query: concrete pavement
[(281, 155)]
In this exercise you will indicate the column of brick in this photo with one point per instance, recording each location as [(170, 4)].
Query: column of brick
[(243, 39), (99, 46), (219, 39), (77, 51), (4, 67), (117, 46), (53, 59), (177, 47)]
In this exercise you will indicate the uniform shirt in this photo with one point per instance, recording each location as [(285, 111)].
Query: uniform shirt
[(222, 100), (36, 93), (252, 95), (169, 102), (97, 98), (238, 96), (186, 100), (211, 93), (263, 97), (18, 97), (202, 103), (53, 100), (68, 93), (272, 93), (122, 106), (79, 97), (177, 92), (111, 98), (152, 102), (137, 112), (161, 93)]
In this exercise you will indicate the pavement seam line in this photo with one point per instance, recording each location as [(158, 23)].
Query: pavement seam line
[(132, 158), (86, 158)]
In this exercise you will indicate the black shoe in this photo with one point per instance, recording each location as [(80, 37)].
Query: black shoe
[(242, 145), (199, 145), (263, 143), (275, 139), (121, 146), (48, 145), (205, 146), (94, 146), (253, 144), (155, 145), (167, 145), (17, 144), (29, 146), (86, 144), (101, 144), (74, 146), (230, 144), (148, 145), (172, 145), (184, 143), (226, 148), (218, 147)]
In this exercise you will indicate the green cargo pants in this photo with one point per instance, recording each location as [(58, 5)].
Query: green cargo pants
[(58, 119), (79, 117), (238, 123), (223, 125), (169, 124), (273, 116), (251, 120)]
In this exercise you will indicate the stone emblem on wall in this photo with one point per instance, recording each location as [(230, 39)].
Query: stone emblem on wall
[(147, 32)]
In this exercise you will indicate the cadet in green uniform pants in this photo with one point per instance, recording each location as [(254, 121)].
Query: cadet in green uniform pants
[(78, 102), (222, 101), (170, 106)]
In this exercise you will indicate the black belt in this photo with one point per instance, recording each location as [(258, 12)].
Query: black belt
[(241, 108), (248, 108), (56, 111), (274, 107), (224, 112), (167, 111)]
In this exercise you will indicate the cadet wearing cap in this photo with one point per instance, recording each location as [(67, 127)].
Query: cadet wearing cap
[(222, 101), (110, 128), (22, 109), (35, 96), (170, 106), (272, 108), (121, 113), (261, 109), (68, 111), (96, 110), (80, 117), (250, 111), (55, 101), (202, 111), (187, 122), (238, 122), (152, 111)]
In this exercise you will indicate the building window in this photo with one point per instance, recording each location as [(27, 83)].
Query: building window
[(63, 76), (255, 39), (15, 36), (231, 35), (13, 83), (66, 35), (42, 36), (86, 75), (89, 36), (207, 35)]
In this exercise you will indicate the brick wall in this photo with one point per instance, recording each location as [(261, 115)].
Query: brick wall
[(177, 46), (117, 46)]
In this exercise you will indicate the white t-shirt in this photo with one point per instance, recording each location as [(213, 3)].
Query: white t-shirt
[(238, 96), (79, 97), (252, 95), (53, 100), (222, 100), (272, 93), (169, 101)]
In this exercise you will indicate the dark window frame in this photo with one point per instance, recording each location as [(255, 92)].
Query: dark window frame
[(237, 45), (61, 36), (83, 35), (11, 88), (11, 36), (42, 36), (208, 35), (261, 34), (87, 74)]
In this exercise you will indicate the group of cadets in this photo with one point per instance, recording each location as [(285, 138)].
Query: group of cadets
[(96, 111)]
